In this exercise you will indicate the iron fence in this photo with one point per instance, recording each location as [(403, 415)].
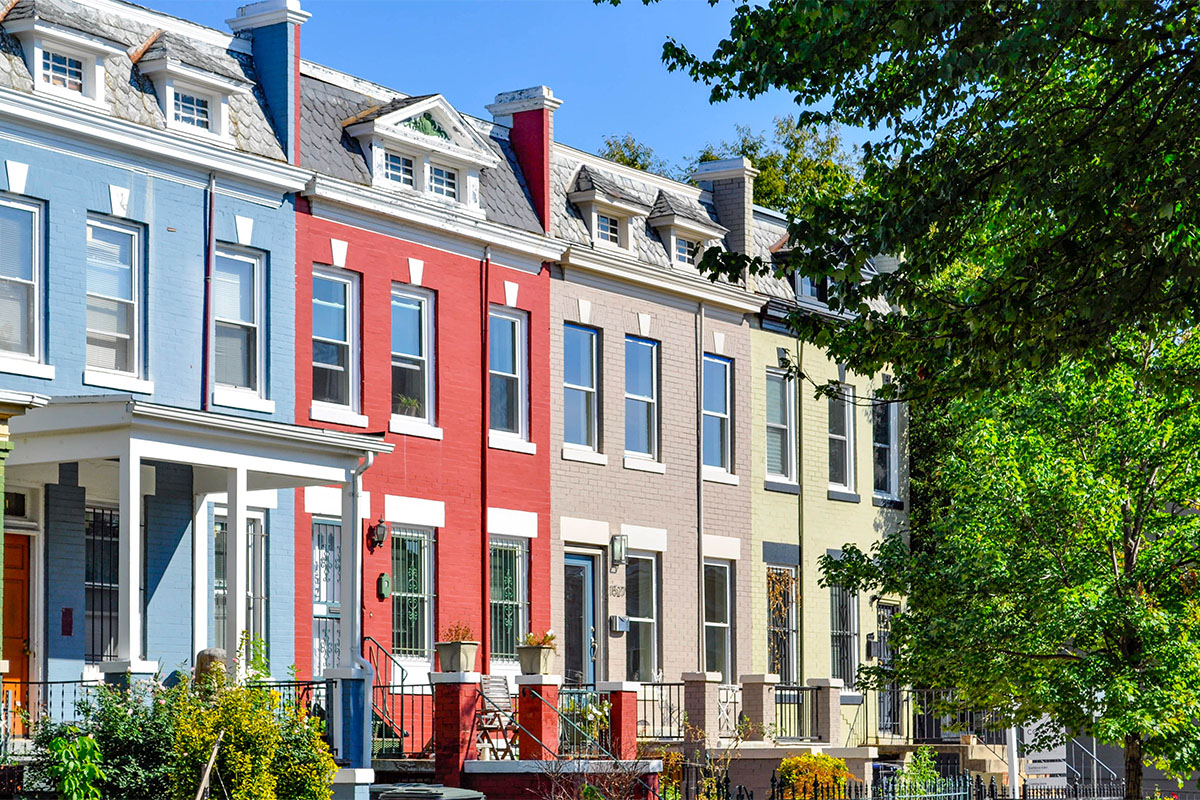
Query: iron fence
[(795, 712), (660, 711), (934, 719), (584, 726), (313, 699), (729, 709), (403, 721), (957, 787), (27, 704)]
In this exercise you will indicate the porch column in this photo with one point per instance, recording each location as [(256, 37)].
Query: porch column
[(130, 624), (351, 576), (200, 586), (236, 585)]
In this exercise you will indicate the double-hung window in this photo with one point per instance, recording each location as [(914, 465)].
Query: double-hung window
[(237, 311), (412, 353), (781, 622), (335, 356), (62, 70), (608, 229), (580, 395), (841, 439), (883, 443), (717, 397), (641, 397), (443, 181), (717, 618), (20, 277), (192, 110), (843, 633), (509, 595), (113, 286), (507, 364), (641, 606), (781, 421), (399, 168), (412, 593)]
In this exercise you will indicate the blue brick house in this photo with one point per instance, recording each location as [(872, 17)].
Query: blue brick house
[(147, 288)]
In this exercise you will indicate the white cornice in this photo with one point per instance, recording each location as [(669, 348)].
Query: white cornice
[(621, 208), (268, 12), (411, 208), (629, 271), (391, 128), (191, 75), (142, 140), (688, 225)]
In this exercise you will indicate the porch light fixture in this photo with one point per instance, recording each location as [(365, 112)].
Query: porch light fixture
[(618, 548), (379, 533)]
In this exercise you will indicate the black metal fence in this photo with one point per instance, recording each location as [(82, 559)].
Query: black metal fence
[(584, 721), (795, 712), (313, 699), (934, 719), (27, 703), (961, 787), (660, 711)]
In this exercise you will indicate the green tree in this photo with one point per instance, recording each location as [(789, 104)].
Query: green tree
[(1053, 565), (632, 153), (1034, 163)]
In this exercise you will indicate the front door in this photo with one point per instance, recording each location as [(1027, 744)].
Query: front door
[(579, 638), (16, 624)]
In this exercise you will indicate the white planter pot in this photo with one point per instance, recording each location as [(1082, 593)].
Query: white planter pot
[(535, 659), (456, 656)]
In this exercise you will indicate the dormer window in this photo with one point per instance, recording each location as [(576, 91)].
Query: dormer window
[(191, 109), (685, 250), (683, 225), (813, 288), (608, 229), (60, 69), (399, 169), (443, 181)]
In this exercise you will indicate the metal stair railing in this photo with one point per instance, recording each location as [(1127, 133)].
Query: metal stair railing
[(389, 736)]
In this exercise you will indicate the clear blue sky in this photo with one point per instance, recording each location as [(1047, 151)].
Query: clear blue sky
[(603, 62)]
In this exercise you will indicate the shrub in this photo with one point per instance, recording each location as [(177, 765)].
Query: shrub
[(303, 763), (920, 771), (813, 768), (74, 766)]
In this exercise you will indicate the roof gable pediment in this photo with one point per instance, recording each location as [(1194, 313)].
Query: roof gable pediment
[(427, 123)]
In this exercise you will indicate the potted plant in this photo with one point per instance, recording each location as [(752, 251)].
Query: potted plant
[(456, 651), (409, 406), (537, 653)]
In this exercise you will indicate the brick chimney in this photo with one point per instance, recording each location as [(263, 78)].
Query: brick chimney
[(530, 115), (731, 182), (273, 27)]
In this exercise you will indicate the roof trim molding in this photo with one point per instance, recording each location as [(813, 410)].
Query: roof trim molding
[(167, 67), (113, 132)]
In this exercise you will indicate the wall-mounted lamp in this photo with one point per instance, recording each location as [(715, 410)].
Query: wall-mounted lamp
[(618, 549), (379, 533)]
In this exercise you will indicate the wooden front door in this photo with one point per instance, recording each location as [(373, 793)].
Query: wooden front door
[(16, 624)]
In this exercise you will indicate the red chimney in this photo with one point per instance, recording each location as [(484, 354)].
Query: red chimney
[(529, 113)]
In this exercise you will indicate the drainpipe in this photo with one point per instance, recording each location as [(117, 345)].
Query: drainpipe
[(701, 666), (210, 256), (485, 398), (798, 597)]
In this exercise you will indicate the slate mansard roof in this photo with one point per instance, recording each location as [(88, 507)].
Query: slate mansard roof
[(131, 95), (329, 99)]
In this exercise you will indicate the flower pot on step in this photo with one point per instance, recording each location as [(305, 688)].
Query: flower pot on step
[(536, 659), (457, 656)]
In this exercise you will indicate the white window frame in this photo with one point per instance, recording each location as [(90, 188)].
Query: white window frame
[(653, 620), (521, 361), (846, 398), (210, 110), (610, 233), (727, 439), (331, 610), (426, 300), (37, 309), (229, 392), (136, 267), (653, 434), (686, 250), (592, 392), (893, 490), (394, 164), (446, 184), (727, 625), (354, 350), (789, 426)]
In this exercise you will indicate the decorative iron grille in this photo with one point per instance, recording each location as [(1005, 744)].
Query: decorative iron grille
[(508, 597), (101, 536), (843, 633), (890, 714), (327, 591), (781, 622), (412, 592)]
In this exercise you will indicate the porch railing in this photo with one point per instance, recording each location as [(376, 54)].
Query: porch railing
[(921, 716), (660, 711), (402, 712), (585, 714), (729, 709), (795, 712), (27, 704), (312, 698)]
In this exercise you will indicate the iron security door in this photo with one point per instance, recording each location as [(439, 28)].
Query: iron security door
[(579, 638)]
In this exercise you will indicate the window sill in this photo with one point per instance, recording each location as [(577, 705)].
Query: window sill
[(115, 380), (241, 398), (718, 475), (498, 440), (884, 501), (339, 415), (21, 366), (583, 454), (784, 487), (843, 496), (410, 426), (642, 464)]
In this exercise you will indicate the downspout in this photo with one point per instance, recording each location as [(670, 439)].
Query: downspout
[(801, 606), (210, 256), (355, 606), (701, 665), (485, 427)]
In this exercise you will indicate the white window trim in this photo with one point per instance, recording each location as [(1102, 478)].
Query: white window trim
[(218, 110), (727, 439), (326, 411), (450, 173), (893, 490), (388, 175), (244, 396), (28, 363), (135, 379), (728, 624), (593, 391), (655, 351), (789, 426), (654, 620), (847, 398), (37, 36), (522, 363), (697, 248), (402, 422)]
